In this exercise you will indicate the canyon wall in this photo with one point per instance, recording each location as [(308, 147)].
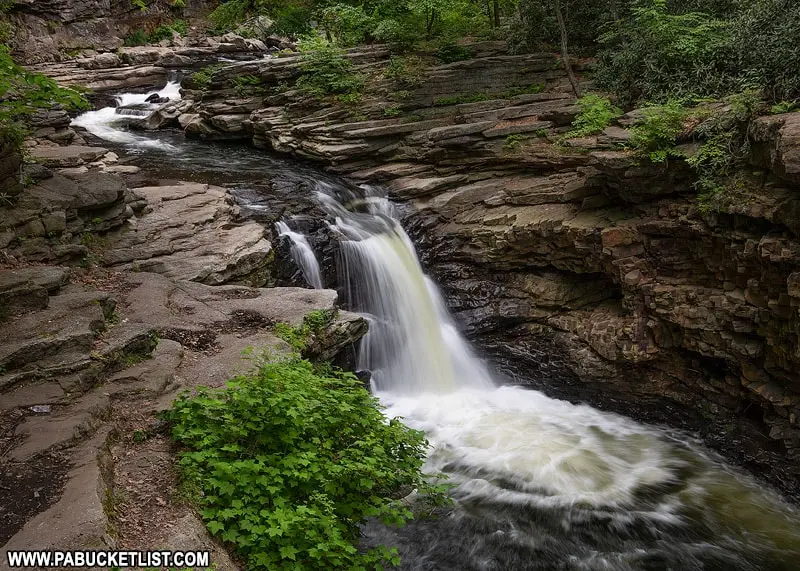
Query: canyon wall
[(578, 266), (54, 30)]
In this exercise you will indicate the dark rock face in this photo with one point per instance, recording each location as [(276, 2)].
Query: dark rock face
[(579, 268), (10, 162)]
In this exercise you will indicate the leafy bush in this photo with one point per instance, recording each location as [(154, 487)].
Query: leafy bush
[(136, 38), (595, 115), (655, 135), (312, 324), (166, 31), (22, 93), (784, 107), (765, 34), (534, 26), (513, 142), (230, 14), (288, 461), (452, 52), (524, 90), (201, 79), (293, 21), (326, 71), (654, 55), (725, 145), (407, 71), (348, 25)]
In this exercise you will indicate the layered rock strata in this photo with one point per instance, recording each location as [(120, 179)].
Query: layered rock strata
[(583, 264)]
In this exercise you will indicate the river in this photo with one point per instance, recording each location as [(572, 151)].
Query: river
[(538, 483)]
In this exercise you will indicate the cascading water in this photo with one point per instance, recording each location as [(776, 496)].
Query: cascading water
[(303, 255), (539, 483), (106, 123)]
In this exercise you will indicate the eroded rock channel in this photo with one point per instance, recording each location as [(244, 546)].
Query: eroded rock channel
[(575, 268)]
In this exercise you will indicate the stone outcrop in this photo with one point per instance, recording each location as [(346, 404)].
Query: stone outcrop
[(87, 360), (91, 354), (52, 30), (579, 266)]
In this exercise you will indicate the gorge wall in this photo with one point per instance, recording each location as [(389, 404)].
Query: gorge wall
[(55, 30), (578, 266)]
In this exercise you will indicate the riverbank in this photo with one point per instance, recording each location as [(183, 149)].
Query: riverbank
[(113, 302)]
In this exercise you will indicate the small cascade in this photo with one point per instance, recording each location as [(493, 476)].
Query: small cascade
[(302, 255), (109, 123)]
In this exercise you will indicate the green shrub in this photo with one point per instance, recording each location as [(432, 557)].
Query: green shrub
[(595, 115), (293, 21), (392, 111), (407, 71), (228, 15), (202, 78), (765, 35), (524, 90), (313, 323), (513, 142), (654, 55), (286, 462), (22, 93), (725, 145), (348, 25), (326, 71), (784, 107), (655, 135), (452, 52), (166, 31), (136, 38)]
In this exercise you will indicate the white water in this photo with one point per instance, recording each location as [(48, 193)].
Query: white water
[(303, 255), (109, 125), (512, 447)]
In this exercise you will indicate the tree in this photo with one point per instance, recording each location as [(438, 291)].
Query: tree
[(564, 51)]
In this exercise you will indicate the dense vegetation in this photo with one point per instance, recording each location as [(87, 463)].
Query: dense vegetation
[(648, 50), (285, 464)]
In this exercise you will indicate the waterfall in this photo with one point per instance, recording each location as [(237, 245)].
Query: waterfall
[(520, 460), (412, 345), (303, 255)]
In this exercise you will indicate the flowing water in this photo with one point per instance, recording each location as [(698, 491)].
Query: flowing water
[(108, 123), (539, 483), (303, 255)]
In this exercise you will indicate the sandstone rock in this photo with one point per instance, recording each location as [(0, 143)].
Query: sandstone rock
[(101, 61), (777, 144), (29, 288), (188, 234), (71, 156)]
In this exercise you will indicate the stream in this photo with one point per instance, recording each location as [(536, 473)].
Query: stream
[(538, 483)]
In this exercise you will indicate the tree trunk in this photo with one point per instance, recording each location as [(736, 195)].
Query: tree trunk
[(496, 13), (564, 50)]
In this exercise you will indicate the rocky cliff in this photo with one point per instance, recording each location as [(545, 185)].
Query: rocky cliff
[(53, 30), (580, 267)]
